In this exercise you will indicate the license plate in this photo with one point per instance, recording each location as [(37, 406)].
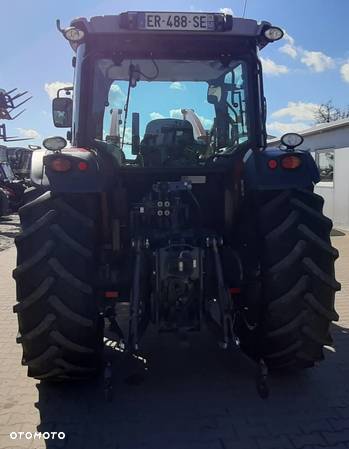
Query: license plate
[(176, 21)]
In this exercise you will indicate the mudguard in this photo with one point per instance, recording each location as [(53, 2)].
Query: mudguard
[(97, 177), (259, 176)]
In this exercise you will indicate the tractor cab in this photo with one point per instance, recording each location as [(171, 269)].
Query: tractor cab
[(147, 64)]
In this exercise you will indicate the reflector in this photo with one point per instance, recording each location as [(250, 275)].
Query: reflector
[(82, 166), (272, 163)]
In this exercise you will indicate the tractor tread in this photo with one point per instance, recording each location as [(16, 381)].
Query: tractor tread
[(291, 258), (59, 269), (35, 296), (314, 270), (52, 374), (274, 203), (315, 305), (71, 367), (42, 359), (66, 312), (313, 213), (34, 260), (285, 352), (298, 289), (64, 237), (321, 340), (39, 329), (283, 227), (291, 326), (27, 208), (316, 240), (59, 338), (44, 220), (73, 213)]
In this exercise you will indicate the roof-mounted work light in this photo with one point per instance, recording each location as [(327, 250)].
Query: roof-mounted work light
[(273, 34), (73, 34)]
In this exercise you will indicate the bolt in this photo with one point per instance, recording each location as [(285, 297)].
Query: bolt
[(160, 203), (167, 204), (167, 212), (160, 213)]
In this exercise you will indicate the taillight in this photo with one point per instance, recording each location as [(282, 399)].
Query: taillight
[(272, 163), (291, 162), (60, 164)]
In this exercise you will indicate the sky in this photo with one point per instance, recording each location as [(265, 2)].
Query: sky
[(308, 67)]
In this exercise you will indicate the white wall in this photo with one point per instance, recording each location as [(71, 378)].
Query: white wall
[(336, 195)]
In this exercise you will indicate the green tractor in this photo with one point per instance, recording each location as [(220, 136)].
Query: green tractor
[(187, 223)]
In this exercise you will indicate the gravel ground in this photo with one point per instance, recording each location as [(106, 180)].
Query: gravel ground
[(9, 228)]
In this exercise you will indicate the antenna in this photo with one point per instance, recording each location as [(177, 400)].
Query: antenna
[(243, 15)]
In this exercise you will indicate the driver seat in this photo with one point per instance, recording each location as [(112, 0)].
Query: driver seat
[(165, 138)]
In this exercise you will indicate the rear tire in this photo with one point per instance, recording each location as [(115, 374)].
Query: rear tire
[(297, 280), (59, 325)]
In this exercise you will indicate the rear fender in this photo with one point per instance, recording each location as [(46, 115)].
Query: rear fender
[(259, 176), (96, 178)]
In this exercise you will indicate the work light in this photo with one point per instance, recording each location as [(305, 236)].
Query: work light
[(73, 34), (273, 33)]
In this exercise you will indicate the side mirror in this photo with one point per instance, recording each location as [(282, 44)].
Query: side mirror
[(214, 94), (135, 133), (62, 112)]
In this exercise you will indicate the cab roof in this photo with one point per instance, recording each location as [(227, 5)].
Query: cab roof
[(130, 23)]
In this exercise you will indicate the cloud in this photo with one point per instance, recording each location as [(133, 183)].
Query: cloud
[(297, 110), (176, 113), (116, 95), (345, 71), (289, 50), (29, 133), (289, 38), (155, 115), (177, 86), (52, 88), (226, 11), (280, 128), (271, 68), (317, 60)]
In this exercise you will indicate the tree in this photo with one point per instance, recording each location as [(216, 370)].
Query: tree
[(327, 113)]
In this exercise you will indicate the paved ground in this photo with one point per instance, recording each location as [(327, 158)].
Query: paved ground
[(193, 398), (9, 227)]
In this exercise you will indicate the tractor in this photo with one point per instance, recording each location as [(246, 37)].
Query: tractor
[(183, 222)]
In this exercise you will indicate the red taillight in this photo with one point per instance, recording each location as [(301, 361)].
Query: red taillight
[(60, 164), (83, 166), (272, 163), (234, 290), (111, 294), (291, 162)]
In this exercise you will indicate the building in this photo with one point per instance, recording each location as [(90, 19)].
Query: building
[(329, 145)]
